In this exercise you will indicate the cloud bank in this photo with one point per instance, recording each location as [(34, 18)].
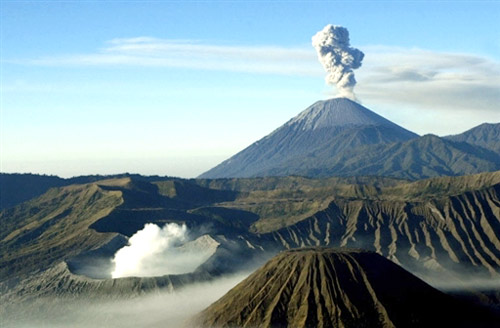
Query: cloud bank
[(446, 80), (162, 309)]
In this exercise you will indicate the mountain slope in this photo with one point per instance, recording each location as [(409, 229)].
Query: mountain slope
[(455, 235), (437, 224), (318, 287), (486, 135), (71, 222), (327, 127), (338, 112), (448, 224), (419, 158), (339, 137), (53, 227), (16, 188)]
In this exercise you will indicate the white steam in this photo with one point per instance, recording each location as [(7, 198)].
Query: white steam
[(155, 251), (338, 58)]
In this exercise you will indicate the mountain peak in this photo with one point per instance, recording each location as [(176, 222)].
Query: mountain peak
[(320, 287), (486, 135), (310, 140), (337, 112)]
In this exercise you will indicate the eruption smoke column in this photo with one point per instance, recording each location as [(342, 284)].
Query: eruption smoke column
[(338, 58)]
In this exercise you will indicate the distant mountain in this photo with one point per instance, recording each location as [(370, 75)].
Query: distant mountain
[(322, 131), (16, 188), (325, 287), (339, 137), (424, 157), (486, 135)]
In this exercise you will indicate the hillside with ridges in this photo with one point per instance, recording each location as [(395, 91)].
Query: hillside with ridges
[(441, 224), (486, 135), (447, 234), (53, 227), (16, 188), (424, 157), (69, 221), (324, 287)]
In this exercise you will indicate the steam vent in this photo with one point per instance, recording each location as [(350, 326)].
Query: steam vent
[(324, 287)]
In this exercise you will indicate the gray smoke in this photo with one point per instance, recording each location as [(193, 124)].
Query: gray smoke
[(338, 58)]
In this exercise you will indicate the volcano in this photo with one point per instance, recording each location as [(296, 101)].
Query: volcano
[(339, 137), (325, 287), (322, 131)]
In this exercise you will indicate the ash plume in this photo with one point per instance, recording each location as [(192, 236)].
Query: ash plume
[(338, 58)]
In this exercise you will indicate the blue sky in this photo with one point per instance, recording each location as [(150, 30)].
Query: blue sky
[(175, 87)]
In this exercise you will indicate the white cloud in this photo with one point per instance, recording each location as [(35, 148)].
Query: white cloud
[(433, 84), (442, 81), (152, 52), (431, 92)]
